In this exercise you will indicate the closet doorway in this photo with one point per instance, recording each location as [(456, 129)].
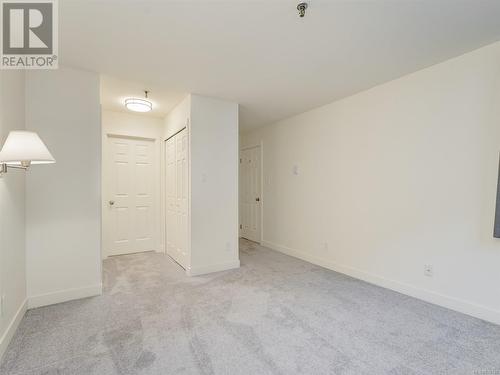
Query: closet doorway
[(177, 197)]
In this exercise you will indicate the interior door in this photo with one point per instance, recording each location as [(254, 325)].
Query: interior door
[(250, 194), (177, 190), (129, 179), (171, 198)]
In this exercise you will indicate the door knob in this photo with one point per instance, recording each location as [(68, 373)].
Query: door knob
[(257, 199), (111, 203)]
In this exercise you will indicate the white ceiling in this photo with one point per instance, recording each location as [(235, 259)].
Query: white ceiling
[(114, 91), (261, 54)]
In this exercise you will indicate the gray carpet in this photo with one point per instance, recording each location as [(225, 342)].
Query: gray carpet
[(275, 315)]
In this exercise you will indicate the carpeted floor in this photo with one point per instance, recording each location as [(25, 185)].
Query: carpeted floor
[(275, 315)]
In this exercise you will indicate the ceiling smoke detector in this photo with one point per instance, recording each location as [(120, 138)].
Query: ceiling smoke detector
[(302, 9)]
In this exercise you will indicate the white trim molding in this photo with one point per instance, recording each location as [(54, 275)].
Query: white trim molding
[(64, 296), (202, 270), (12, 328), (462, 306)]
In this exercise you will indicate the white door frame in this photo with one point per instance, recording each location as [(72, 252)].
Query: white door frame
[(105, 163), (262, 198)]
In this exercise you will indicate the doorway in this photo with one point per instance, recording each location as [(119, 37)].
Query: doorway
[(129, 187), (250, 193), (177, 197)]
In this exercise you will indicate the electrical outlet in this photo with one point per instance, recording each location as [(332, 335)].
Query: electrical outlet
[(325, 246), (428, 270)]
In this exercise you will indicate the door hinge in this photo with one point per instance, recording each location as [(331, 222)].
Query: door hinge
[(241, 160), (241, 226)]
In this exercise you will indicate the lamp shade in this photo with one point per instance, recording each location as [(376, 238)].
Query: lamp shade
[(25, 146)]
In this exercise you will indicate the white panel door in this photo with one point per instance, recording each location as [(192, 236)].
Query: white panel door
[(130, 181), (177, 191), (250, 194), (171, 198)]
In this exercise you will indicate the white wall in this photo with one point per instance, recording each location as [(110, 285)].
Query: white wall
[(394, 178), (214, 185), (134, 125), (177, 118), (12, 216), (213, 147), (63, 231)]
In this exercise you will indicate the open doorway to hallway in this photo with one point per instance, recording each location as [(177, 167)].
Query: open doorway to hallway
[(133, 165)]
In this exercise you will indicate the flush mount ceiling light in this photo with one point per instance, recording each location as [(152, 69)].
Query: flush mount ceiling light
[(139, 105), (22, 149)]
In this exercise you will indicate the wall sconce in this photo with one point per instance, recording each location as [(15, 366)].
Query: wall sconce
[(22, 149)]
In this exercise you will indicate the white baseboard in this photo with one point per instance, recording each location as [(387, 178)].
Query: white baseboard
[(202, 270), (465, 307), (63, 296), (12, 328)]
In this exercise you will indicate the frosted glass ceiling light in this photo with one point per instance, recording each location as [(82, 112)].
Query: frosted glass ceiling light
[(139, 105), (22, 149)]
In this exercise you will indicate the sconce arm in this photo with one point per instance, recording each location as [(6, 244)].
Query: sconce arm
[(4, 167)]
